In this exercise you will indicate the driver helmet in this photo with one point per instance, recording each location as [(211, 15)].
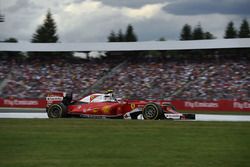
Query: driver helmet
[(108, 97)]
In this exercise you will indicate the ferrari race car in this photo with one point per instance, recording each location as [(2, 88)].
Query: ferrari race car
[(105, 105)]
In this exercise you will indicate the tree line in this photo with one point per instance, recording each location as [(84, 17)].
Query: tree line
[(188, 33), (47, 32), (128, 36), (230, 32), (196, 34)]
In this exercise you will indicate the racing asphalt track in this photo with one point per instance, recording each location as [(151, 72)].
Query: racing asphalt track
[(40, 113)]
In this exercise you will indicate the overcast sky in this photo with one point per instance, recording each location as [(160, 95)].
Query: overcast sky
[(93, 20)]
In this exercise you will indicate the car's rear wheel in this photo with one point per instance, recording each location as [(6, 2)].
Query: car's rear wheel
[(152, 111), (57, 111)]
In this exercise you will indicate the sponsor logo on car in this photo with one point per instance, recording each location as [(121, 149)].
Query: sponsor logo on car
[(92, 97), (106, 109), (54, 98), (132, 106), (95, 110)]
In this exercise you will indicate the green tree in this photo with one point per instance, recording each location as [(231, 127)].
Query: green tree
[(230, 31), (120, 36), (130, 35), (1, 17), (11, 54), (208, 35), (112, 37), (46, 33), (186, 32), (244, 29), (161, 39), (11, 40), (198, 33)]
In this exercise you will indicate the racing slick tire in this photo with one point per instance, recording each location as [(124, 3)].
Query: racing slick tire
[(57, 111), (152, 111)]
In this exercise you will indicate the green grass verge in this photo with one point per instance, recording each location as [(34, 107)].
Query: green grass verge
[(107, 143)]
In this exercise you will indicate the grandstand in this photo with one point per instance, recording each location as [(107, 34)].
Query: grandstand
[(171, 75), (162, 78), (33, 78), (206, 75)]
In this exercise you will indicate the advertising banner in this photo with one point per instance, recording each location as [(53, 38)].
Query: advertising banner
[(22, 103), (218, 105), (193, 105)]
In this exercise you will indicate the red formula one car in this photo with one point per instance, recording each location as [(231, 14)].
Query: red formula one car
[(60, 105)]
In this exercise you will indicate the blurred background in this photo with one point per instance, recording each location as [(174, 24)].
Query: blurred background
[(214, 74)]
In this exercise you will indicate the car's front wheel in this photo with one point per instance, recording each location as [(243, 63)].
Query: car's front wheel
[(152, 111), (57, 111)]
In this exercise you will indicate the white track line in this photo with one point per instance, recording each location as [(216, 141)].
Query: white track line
[(198, 117), (21, 109), (214, 117), (23, 115)]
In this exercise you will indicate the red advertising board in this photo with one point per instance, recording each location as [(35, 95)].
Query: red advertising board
[(23, 103), (218, 105)]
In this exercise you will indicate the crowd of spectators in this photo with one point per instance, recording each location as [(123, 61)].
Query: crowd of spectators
[(4, 69), (227, 80), (139, 78), (202, 79), (35, 78), (152, 78)]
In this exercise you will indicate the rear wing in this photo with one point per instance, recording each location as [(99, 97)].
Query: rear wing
[(54, 97)]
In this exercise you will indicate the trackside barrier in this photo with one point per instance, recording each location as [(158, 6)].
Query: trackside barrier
[(218, 105), (23, 103)]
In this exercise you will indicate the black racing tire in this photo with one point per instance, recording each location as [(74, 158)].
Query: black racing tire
[(152, 111), (57, 111)]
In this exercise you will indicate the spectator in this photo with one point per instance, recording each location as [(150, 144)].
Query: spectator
[(138, 78)]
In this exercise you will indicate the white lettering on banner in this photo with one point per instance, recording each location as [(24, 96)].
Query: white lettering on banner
[(197, 104), (241, 105), (20, 102), (54, 98), (8, 102)]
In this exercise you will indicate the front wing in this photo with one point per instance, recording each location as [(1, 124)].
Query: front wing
[(137, 114)]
